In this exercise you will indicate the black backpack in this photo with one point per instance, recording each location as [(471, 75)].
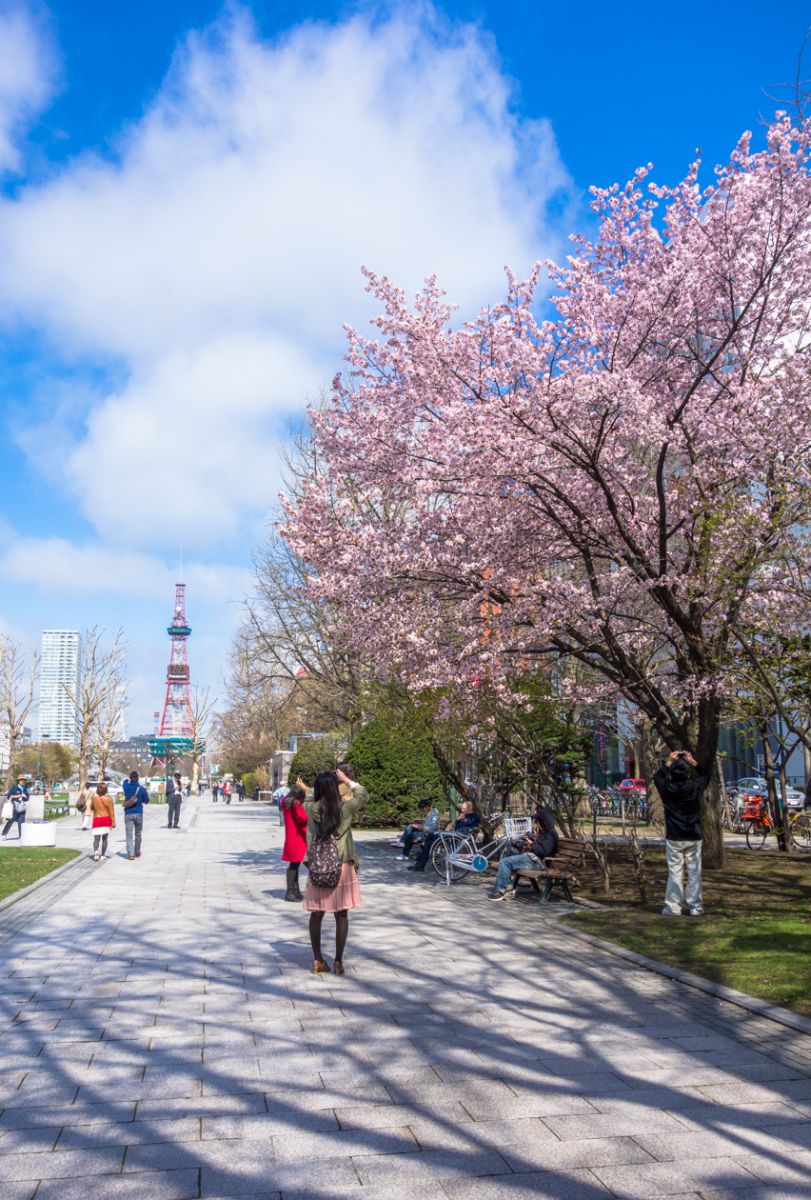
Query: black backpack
[(324, 864)]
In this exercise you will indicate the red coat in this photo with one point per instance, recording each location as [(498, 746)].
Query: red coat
[(295, 832)]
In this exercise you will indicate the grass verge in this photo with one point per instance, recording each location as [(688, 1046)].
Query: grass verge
[(23, 866), (755, 936)]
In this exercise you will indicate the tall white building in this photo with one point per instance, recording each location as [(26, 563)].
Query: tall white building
[(61, 655)]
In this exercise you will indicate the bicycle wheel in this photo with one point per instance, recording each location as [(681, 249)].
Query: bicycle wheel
[(801, 831), (756, 834), (439, 858)]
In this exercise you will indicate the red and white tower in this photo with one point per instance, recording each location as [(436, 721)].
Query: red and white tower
[(176, 718)]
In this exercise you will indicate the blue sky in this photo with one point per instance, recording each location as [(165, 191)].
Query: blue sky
[(187, 193)]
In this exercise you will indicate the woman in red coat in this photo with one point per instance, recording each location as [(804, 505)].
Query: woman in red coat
[(295, 838)]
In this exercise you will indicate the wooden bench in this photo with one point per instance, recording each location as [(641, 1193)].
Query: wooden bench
[(559, 870)]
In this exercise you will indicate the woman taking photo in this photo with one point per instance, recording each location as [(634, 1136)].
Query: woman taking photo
[(295, 838), (335, 802), (103, 810)]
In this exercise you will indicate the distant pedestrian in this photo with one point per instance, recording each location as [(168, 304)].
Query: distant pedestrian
[(83, 807), (240, 790), (335, 802), (15, 806), (680, 785), (103, 810), (174, 799), (215, 792), (295, 838), (225, 791), (135, 797)]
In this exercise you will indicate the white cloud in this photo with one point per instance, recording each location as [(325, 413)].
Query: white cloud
[(56, 565), (217, 253), (26, 79)]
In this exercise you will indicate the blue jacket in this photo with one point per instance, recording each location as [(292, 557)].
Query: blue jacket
[(130, 789), (468, 824)]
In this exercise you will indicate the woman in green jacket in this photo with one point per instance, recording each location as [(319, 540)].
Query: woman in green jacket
[(330, 812)]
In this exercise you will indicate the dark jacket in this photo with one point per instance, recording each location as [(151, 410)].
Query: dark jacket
[(545, 842), (682, 803)]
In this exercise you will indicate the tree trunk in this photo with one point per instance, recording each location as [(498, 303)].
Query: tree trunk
[(706, 751)]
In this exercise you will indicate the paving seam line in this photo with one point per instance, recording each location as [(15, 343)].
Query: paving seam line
[(38, 883), (781, 1016)]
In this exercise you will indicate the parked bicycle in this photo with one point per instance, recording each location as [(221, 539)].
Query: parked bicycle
[(455, 855), (759, 825)]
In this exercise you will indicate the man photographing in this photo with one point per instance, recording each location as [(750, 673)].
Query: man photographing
[(680, 785)]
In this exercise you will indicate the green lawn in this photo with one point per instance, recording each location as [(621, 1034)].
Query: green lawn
[(755, 936), (24, 865)]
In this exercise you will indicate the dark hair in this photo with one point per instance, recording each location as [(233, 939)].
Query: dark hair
[(295, 793), (101, 789), (326, 793), (347, 769), (426, 804), (680, 769), (133, 776)]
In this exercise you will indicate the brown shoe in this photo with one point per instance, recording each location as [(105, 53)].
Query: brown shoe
[(320, 967), (338, 967), (131, 857)]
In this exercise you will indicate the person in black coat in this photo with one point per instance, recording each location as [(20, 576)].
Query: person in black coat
[(681, 784)]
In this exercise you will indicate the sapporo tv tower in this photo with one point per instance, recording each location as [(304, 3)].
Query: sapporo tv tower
[(176, 733)]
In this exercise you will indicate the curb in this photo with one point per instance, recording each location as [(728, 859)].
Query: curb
[(782, 1016), (43, 879)]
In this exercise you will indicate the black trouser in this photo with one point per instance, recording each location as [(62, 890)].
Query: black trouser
[(174, 802), (422, 857), (19, 818)]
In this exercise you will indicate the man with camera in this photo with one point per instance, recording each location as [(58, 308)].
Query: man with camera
[(680, 785)]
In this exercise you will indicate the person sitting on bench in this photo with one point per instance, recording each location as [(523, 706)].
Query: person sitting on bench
[(468, 823), (536, 850), (419, 829)]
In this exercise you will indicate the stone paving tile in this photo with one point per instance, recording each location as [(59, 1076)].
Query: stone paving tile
[(150, 1185), (66, 1114), (643, 1182), (17, 1191), (565, 1156), (129, 1133), (780, 1167), (253, 1175), (60, 1166), (544, 1185)]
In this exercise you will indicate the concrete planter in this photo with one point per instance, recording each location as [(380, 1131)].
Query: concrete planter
[(35, 833)]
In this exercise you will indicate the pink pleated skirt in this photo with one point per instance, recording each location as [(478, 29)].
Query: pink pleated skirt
[(345, 895)]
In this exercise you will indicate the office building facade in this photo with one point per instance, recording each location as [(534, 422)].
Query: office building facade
[(60, 666)]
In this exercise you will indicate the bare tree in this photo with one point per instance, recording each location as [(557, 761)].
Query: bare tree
[(202, 705), (18, 678), (108, 721), (100, 680)]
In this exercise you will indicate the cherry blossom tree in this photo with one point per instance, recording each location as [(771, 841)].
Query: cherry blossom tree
[(619, 485)]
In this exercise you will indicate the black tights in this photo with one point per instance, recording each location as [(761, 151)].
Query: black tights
[(341, 932)]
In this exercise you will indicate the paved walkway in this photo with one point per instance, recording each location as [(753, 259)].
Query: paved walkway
[(161, 1038)]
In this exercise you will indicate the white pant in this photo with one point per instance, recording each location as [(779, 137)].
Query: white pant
[(679, 856)]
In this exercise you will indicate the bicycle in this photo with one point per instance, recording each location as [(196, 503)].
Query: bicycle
[(759, 825), (454, 855)]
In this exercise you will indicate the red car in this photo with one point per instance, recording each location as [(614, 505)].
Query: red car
[(633, 787)]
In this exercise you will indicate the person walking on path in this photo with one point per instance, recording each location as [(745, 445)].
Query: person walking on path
[(174, 799), (535, 852), (419, 830), (215, 792), (135, 797), (17, 799), (680, 785), (295, 838), (336, 801), (103, 810), (468, 822)]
